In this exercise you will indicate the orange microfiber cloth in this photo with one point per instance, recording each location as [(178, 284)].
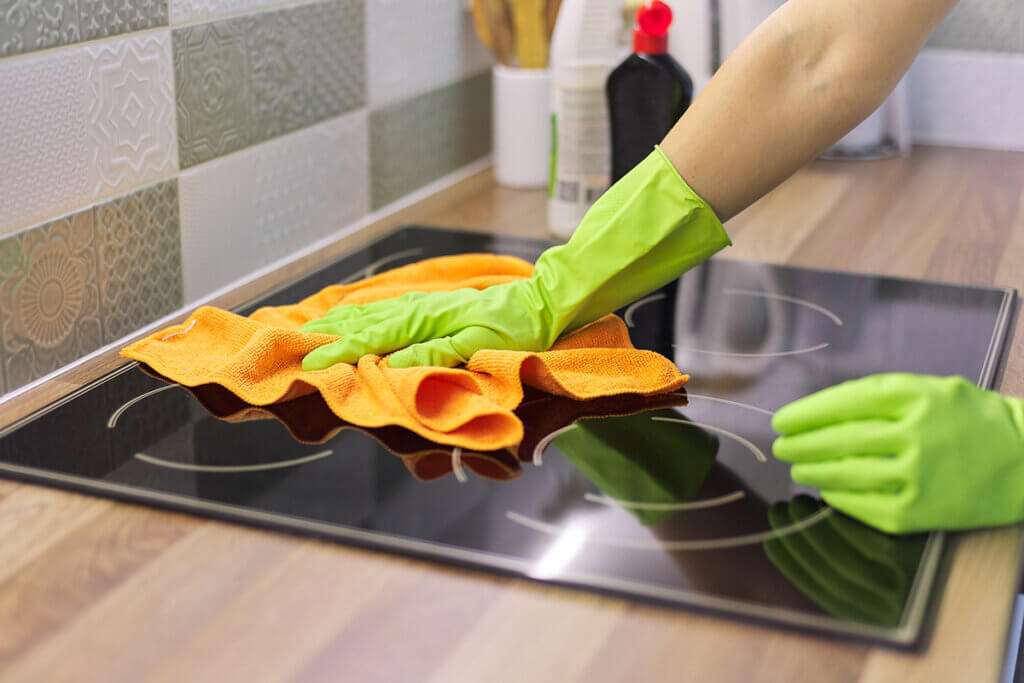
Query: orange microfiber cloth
[(259, 359)]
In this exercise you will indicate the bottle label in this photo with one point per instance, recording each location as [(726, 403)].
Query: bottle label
[(581, 169)]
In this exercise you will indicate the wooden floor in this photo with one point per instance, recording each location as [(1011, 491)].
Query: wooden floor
[(94, 590)]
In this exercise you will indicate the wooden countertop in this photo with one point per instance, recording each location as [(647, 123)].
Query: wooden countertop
[(95, 590)]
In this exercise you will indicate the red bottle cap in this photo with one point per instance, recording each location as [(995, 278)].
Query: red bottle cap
[(650, 35)]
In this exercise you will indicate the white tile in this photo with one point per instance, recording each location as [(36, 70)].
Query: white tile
[(416, 45), (44, 159), (132, 124), (967, 99), (83, 123), (248, 209), (187, 11)]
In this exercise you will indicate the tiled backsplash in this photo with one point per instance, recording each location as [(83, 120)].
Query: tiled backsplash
[(246, 80), (988, 25), (148, 159)]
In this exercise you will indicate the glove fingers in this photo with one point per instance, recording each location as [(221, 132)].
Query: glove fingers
[(448, 351), (345, 327), (864, 474), (436, 352), (378, 340), (344, 313), (848, 439), (878, 397)]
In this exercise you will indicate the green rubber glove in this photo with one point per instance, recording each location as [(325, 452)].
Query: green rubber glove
[(643, 464), (644, 232), (852, 571), (908, 452)]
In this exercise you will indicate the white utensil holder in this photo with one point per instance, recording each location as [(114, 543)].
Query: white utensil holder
[(522, 127)]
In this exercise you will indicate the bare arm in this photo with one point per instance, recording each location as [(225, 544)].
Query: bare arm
[(806, 76)]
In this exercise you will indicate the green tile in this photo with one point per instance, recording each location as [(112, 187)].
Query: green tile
[(49, 298), (27, 26), (276, 54), (211, 77), (251, 79), (140, 259), (418, 140), (105, 18)]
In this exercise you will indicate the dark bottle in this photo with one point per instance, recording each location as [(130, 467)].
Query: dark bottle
[(647, 93)]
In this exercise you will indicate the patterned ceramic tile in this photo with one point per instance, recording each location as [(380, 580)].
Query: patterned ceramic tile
[(131, 111), (992, 25), (49, 298), (336, 61), (45, 168), (27, 25), (250, 79), (83, 123), (275, 53), (105, 18), (438, 32), (418, 140), (246, 210), (140, 259), (211, 77), (189, 11)]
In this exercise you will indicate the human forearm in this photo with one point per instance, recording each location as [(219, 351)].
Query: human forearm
[(807, 75)]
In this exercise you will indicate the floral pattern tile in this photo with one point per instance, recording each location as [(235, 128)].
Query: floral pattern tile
[(251, 79), (49, 298), (140, 259), (76, 283)]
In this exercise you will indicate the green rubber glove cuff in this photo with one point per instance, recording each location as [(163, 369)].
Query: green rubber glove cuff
[(644, 232)]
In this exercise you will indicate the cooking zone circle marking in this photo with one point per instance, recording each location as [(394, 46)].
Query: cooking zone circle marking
[(643, 505), (656, 544), (628, 317), (758, 453), (768, 354), (192, 467), (791, 299), (112, 422)]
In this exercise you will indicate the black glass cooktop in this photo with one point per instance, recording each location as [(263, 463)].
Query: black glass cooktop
[(674, 499)]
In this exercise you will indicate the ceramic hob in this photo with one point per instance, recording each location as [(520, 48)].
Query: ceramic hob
[(674, 500)]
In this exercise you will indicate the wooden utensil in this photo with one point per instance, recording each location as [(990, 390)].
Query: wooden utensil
[(499, 28), (530, 21)]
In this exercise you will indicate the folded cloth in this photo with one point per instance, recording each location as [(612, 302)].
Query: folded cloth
[(259, 359)]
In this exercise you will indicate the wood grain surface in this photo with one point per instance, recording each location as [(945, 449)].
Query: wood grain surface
[(97, 590)]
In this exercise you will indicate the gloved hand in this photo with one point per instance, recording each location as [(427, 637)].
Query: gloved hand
[(852, 571), (906, 452), (645, 231)]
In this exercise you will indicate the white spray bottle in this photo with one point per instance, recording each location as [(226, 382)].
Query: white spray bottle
[(583, 53)]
